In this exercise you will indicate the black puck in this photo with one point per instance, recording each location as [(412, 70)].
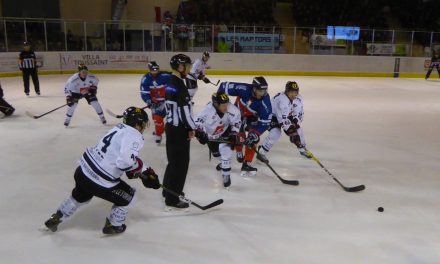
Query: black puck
[(380, 209)]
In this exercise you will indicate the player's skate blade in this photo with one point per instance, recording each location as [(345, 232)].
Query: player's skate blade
[(53, 222), (110, 229), (247, 170), (179, 207)]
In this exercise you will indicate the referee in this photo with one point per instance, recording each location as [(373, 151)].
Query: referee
[(179, 130), (28, 66)]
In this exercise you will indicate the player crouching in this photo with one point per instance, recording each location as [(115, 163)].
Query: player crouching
[(218, 124), (82, 85), (288, 113), (5, 108), (101, 168)]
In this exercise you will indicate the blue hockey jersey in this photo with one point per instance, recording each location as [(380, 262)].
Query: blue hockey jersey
[(249, 106), (153, 89)]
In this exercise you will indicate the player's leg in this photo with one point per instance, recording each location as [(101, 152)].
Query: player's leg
[(438, 69), (428, 73), (93, 101), (6, 108), (35, 81), (159, 113), (123, 197), (177, 146), (239, 148), (269, 141), (299, 140), (26, 73), (69, 113), (226, 159), (247, 169), (80, 196)]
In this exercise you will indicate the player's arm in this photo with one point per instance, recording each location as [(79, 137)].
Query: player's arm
[(93, 89), (233, 88), (145, 90), (20, 60), (264, 114), (184, 110), (128, 159), (234, 118)]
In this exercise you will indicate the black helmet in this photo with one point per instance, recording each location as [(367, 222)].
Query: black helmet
[(206, 54), (135, 116), (219, 98), (259, 83), (178, 59), (26, 43), (82, 67), (153, 66), (291, 86)]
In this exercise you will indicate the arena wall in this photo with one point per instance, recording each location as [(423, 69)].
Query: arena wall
[(224, 64)]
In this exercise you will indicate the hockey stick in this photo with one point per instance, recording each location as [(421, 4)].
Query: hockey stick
[(347, 189), (36, 117), (186, 200), (215, 84), (289, 182), (119, 116)]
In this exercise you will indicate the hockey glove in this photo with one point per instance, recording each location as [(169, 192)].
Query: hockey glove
[(291, 130), (70, 100), (93, 90), (136, 169), (252, 139), (150, 179), (235, 140), (206, 80), (202, 137)]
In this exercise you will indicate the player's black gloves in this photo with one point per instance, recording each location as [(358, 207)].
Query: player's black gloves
[(235, 140), (252, 139), (70, 100), (202, 137), (291, 130), (93, 90), (150, 179), (206, 80)]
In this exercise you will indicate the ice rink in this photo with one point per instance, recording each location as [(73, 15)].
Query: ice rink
[(380, 132)]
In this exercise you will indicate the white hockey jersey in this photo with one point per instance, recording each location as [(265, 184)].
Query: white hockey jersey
[(114, 154), (78, 86), (286, 110), (214, 125), (198, 69)]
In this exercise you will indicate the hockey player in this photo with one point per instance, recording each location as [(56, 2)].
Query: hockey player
[(100, 171), (153, 93), (179, 130), (435, 63), (198, 73), (288, 113), (5, 108), (82, 85), (256, 113), (220, 119)]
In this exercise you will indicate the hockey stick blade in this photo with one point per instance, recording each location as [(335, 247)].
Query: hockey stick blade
[(288, 182), (113, 114), (209, 206), (30, 115), (53, 110), (355, 188)]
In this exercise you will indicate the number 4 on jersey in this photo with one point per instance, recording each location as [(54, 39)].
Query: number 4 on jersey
[(107, 140)]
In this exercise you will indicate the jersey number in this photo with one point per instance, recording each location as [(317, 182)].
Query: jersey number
[(107, 140)]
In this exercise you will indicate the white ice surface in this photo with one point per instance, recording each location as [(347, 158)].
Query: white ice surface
[(383, 133)]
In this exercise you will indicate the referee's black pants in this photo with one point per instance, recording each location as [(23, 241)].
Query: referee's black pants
[(177, 145), (30, 73)]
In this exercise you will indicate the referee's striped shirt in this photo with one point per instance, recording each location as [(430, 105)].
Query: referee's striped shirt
[(27, 60)]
